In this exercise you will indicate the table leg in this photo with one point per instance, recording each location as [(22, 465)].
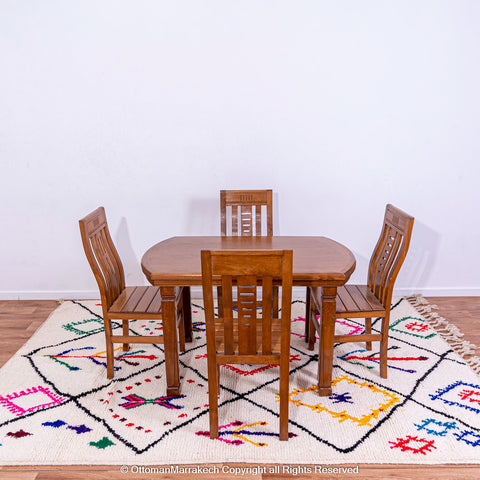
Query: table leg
[(325, 355), (308, 313), (187, 314), (170, 340)]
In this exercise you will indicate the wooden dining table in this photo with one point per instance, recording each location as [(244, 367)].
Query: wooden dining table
[(317, 261)]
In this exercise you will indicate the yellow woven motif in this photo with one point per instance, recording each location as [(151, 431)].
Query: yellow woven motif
[(341, 416)]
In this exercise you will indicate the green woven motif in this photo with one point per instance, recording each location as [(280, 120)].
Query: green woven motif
[(417, 327), (74, 326)]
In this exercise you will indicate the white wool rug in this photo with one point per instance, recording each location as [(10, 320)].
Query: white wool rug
[(58, 407)]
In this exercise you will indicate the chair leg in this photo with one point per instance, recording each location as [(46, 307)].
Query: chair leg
[(312, 331), (213, 398), (275, 309), (368, 331), (384, 347), (109, 346), (181, 333), (126, 346), (187, 313), (308, 312), (219, 302), (284, 377), (181, 324)]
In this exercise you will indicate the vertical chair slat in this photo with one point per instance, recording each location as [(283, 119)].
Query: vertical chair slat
[(223, 213), (235, 220), (267, 316), (112, 267), (116, 259), (227, 314), (258, 220), (377, 260), (247, 314), (389, 265), (246, 221), (103, 266)]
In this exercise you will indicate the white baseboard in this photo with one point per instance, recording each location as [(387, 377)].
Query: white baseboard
[(50, 295), (196, 293), (440, 291)]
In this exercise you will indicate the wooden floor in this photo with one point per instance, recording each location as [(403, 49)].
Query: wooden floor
[(20, 319)]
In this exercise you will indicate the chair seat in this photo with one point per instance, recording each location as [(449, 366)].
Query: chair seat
[(137, 301), (355, 301), (220, 339)]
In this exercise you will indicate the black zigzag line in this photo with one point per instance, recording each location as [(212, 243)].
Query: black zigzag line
[(290, 421), (393, 307), (245, 395), (81, 337), (399, 339), (315, 357), (68, 400), (72, 399), (172, 430), (238, 396), (113, 432), (372, 430), (392, 411), (101, 318), (76, 400), (312, 358), (356, 322), (53, 345), (105, 424), (120, 379), (166, 433), (406, 398), (427, 407), (394, 336), (87, 309), (397, 406), (258, 386), (78, 337)]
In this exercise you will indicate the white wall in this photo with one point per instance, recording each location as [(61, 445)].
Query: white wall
[(151, 107)]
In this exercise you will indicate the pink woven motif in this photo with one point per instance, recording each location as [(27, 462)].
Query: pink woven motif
[(13, 401)]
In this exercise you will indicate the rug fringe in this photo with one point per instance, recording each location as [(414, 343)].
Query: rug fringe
[(447, 330)]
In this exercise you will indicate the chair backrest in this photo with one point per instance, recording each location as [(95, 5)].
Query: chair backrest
[(102, 256), (389, 253), (243, 209), (244, 270)]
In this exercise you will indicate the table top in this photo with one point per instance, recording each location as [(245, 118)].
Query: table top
[(316, 260)]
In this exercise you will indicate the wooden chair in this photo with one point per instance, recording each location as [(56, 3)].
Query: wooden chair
[(243, 337), (241, 212), (373, 299), (118, 301), (242, 215)]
